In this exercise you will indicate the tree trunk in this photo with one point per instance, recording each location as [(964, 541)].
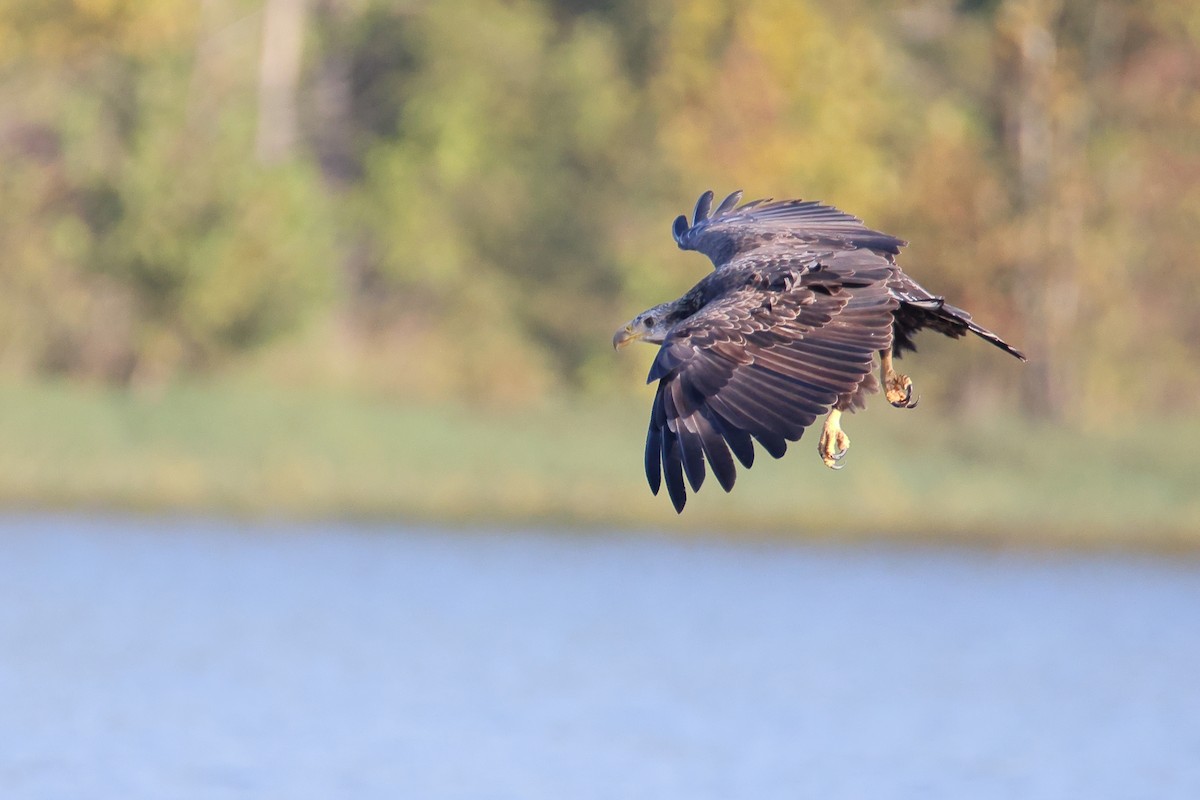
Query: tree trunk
[(278, 78)]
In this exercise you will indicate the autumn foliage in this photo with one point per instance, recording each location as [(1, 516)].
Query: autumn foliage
[(464, 198)]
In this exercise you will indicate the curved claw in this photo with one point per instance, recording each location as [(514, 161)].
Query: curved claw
[(834, 442), (833, 460), (906, 401)]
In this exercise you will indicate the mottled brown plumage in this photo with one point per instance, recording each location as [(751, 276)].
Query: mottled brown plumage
[(784, 329)]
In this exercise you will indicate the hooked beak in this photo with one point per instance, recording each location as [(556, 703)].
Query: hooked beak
[(624, 336)]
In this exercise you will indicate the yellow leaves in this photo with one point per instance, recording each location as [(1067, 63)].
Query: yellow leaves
[(143, 27), (70, 239), (420, 242), (99, 10), (51, 31), (598, 96), (792, 100), (696, 36), (784, 36)]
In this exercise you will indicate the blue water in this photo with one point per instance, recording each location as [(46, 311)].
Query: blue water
[(196, 659)]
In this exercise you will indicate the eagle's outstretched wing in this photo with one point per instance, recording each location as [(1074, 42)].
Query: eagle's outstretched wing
[(730, 231), (763, 361)]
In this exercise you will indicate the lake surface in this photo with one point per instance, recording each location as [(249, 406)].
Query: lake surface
[(168, 658)]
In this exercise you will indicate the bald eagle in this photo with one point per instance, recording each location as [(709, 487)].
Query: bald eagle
[(785, 329)]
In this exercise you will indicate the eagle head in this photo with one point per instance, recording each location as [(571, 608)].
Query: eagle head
[(651, 326)]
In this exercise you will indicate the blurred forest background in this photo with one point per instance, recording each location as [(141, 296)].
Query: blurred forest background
[(450, 205)]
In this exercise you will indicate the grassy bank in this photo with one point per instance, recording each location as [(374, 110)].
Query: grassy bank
[(253, 450)]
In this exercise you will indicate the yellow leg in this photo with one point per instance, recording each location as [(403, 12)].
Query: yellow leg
[(834, 441), (897, 387)]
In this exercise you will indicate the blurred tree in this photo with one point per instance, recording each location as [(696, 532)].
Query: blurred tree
[(165, 246), (853, 106), (489, 183), (1086, 158), (495, 193), (998, 136), (785, 97)]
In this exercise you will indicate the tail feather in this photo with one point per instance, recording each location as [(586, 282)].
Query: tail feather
[(919, 309), (988, 336), (956, 316)]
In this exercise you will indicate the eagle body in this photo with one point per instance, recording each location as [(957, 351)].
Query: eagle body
[(784, 329)]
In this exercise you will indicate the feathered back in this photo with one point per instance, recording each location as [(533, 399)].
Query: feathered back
[(730, 230)]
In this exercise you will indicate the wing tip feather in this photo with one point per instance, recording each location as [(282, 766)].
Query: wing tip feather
[(703, 206), (680, 228)]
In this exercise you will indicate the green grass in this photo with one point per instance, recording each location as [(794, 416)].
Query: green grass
[(264, 451)]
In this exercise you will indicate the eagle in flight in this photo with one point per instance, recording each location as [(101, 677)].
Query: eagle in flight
[(783, 330)]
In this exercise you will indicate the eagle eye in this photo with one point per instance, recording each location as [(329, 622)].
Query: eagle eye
[(649, 322)]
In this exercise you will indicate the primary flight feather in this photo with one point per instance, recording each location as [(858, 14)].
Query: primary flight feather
[(784, 329)]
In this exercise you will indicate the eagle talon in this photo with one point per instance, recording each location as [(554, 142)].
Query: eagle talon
[(896, 387), (899, 391), (834, 442)]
